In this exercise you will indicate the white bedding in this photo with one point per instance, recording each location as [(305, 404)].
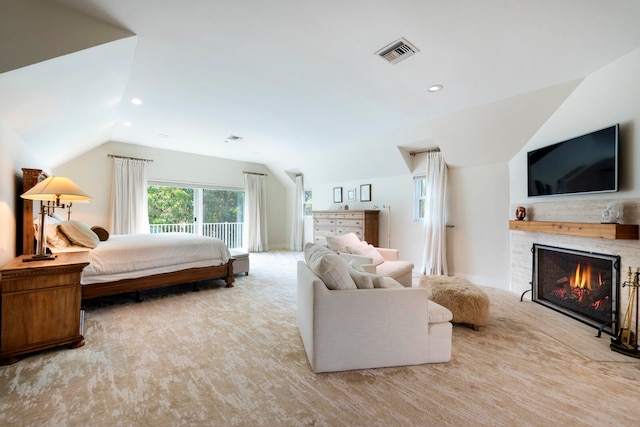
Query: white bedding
[(139, 255)]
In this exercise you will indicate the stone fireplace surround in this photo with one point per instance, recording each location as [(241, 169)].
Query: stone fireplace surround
[(565, 210)]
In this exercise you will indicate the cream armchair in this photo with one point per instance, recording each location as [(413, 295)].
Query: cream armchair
[(381, 261)]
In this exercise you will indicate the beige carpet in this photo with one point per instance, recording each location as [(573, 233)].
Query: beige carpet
[(234, 357)]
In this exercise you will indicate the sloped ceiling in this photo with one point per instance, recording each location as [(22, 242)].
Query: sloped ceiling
[(299, 79)]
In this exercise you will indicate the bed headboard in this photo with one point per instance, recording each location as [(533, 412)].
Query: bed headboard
[(29, 179)]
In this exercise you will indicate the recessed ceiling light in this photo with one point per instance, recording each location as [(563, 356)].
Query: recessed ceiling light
[(126, 123), (435, 88), (136, 101)]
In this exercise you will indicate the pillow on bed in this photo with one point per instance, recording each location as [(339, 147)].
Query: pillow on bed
[(79, 233), (102, 233), (54, 239)]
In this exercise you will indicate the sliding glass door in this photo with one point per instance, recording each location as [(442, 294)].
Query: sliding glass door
[(216, 212)]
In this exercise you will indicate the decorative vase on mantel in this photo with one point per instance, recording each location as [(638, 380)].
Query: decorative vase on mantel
[(521, 213)]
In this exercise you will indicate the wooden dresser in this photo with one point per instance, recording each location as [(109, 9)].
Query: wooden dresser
[(40, 305), (336, 223)]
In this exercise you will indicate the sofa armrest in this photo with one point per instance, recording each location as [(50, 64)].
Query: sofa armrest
[(369, 328), (389, 254)]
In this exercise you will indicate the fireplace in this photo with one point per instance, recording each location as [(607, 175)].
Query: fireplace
[(582, 285)]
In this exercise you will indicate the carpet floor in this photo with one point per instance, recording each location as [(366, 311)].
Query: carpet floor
[(233, 357)]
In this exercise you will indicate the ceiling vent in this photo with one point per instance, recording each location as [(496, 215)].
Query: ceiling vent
[(397, 51)]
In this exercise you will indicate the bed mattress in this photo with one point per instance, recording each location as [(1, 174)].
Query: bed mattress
[(139, 255)]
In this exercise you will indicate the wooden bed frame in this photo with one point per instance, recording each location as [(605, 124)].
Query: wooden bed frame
[(223, 271)]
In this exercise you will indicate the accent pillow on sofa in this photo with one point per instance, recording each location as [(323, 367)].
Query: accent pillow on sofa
[(368, 251), (340, 243), (79, 233), (389, 282), (330, 267)]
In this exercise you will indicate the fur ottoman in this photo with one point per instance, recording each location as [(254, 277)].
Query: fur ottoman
[(468, 303)]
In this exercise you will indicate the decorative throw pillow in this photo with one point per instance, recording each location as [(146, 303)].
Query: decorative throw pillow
[(331, 268), (54, 239), (362, 280), (339, 243), (368, 251), (79, 233), (389, 282), (102, 233)]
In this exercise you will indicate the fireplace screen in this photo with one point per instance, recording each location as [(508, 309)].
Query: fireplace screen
[(582, 285)]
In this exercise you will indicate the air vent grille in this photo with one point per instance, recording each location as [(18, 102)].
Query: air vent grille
[(397, 51)]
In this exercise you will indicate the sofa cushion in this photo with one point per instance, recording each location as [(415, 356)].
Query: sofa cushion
[(330, 267), (339, 243), (368, 251)]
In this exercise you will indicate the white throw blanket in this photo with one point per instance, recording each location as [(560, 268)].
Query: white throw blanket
[(138, 255)]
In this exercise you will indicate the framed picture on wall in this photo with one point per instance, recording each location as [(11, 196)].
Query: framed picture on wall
[(337, 195), (365, 193), (351, 195)]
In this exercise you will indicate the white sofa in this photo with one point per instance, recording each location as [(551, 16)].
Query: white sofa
[(369, 328)]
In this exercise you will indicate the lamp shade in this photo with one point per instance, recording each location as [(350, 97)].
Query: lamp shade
[(57, 188)]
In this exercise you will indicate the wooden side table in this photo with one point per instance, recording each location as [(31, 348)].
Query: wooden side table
[(40, 305)]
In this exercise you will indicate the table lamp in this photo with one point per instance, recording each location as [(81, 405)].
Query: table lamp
[(53, 190)]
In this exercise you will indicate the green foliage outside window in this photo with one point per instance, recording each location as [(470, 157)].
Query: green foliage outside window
[(170, 205), (175, 205), (223, 206)]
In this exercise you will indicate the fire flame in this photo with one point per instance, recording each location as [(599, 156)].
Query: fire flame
[(582, 278)]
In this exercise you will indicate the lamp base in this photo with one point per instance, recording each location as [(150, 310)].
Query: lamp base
[(37, 257)]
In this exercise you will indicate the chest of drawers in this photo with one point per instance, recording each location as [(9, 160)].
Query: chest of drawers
[(364, 223)]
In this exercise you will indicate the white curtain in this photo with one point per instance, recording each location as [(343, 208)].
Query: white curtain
[(129, 210), (297, 231), (435, 251), (255, 212)]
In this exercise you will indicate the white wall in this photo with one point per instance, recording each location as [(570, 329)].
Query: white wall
[(92, 171), (610, 95), (478, 244), (14, 155)]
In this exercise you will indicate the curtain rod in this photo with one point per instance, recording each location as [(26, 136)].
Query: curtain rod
[(255, 173), (432, 150), (130, 158)]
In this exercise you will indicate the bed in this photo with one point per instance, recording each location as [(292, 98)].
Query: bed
[(130, 263)]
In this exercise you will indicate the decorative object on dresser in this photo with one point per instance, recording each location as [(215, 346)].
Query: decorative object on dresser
[(53, 190), (364, 223), (40, 305)]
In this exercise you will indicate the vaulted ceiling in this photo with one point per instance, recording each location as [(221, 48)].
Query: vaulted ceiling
[(294, 78)]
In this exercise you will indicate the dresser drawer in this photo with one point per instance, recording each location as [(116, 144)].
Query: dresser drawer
[(350, 223)]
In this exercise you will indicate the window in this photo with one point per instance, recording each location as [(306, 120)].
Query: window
[(206, 211), (307, 203), (419, 197)]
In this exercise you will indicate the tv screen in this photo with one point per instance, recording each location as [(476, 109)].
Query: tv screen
[(586, 164)]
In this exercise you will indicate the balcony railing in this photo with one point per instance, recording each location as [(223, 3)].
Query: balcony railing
[(229, 232)]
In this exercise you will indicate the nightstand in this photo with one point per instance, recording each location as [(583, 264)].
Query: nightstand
[(40, 305)]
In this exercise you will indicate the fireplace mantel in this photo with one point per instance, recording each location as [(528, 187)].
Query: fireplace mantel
[(581, 229)]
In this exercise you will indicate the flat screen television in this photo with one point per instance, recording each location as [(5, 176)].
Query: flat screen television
[(585, 164)]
